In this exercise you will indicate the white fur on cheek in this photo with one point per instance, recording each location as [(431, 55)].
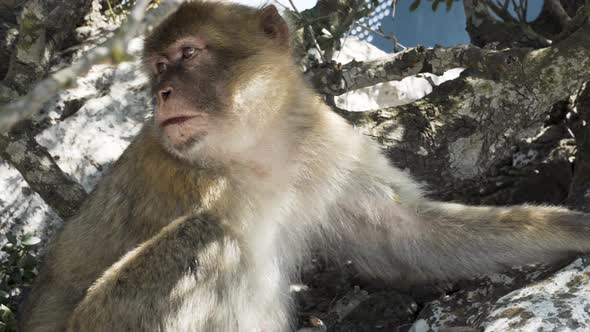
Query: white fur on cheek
[(253, 106)]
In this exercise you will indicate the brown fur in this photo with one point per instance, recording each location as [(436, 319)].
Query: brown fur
[(206, 236)]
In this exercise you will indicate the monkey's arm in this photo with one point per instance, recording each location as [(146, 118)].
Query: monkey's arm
[(471, 240), (148, 287), (397, 237)]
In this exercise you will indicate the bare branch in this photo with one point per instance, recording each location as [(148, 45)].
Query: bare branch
[(581, 17), (115, 50), (502, 11), (294, 8), (309, 30), (484, 28), (42, 32), (559, 12), (520, 10), (534, 36), (482, 115), (336, 80), (37, 167), (579, 193), (381, 34)]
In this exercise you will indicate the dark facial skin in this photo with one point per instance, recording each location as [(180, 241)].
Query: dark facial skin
[(187, 85)]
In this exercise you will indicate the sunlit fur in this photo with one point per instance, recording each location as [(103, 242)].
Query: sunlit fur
[(208, 238)]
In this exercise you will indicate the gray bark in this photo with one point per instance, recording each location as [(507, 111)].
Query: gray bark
[(579, 194), (467, 128), (8, 31), (38, 168), (45, 26), (334, 79)]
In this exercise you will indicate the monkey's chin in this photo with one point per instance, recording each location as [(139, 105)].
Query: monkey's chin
[(186, 146), (183, 146)]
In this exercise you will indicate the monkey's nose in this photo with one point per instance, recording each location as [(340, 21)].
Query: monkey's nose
[(165, 93)]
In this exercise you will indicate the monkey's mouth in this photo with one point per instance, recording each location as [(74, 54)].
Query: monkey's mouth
[(176, 120), (181, 130)]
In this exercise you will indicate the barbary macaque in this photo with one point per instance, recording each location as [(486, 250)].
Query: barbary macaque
[(201, 223)]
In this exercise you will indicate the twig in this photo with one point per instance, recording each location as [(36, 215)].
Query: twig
[(315, 42), (502, 11), (111, 11), (309, 29), (519, 10), (380, 34), (294, 8)]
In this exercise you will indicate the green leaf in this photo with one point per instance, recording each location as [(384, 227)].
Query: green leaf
[(30, 240), (27, 262), (435, 4), (11, 238), (8, 247), (30, 276), (449, 4), (6, 314), (16, 276), (414, 5)]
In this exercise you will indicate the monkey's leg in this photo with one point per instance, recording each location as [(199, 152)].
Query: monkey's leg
[(190, 277), (392, 238)]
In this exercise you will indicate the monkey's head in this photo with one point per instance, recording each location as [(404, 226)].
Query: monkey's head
[(218, 73)]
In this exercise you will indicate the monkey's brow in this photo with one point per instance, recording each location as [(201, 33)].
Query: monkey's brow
[(194, 41)]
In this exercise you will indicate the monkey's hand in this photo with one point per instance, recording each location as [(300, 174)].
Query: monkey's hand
[(147, 288)]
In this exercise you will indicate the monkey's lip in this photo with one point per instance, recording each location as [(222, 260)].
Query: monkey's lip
[(176, 120)]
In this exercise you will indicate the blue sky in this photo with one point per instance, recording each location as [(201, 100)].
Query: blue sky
[(424, 27)]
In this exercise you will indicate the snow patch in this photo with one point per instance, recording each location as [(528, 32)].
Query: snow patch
[(387, 94)]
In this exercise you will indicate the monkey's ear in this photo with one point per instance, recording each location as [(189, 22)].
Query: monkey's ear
[(273, 24)]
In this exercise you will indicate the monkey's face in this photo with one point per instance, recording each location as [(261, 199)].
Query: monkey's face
[(188, 89), (212, 69)]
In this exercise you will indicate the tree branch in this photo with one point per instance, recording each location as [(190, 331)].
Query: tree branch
[(484, 29), (559, 12), (466, 129), (502, 12), (42, 32), (335, 80), (579, 19), (36, 165), (579, 194)]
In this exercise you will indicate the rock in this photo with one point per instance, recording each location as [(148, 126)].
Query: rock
[(528, 299), (558, 303)]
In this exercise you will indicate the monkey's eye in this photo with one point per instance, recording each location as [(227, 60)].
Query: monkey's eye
[(188, 52), (161, 67)]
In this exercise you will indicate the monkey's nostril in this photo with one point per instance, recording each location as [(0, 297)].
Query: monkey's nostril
[(165, 93)]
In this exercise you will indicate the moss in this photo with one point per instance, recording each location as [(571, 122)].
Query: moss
[(30, 30)]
